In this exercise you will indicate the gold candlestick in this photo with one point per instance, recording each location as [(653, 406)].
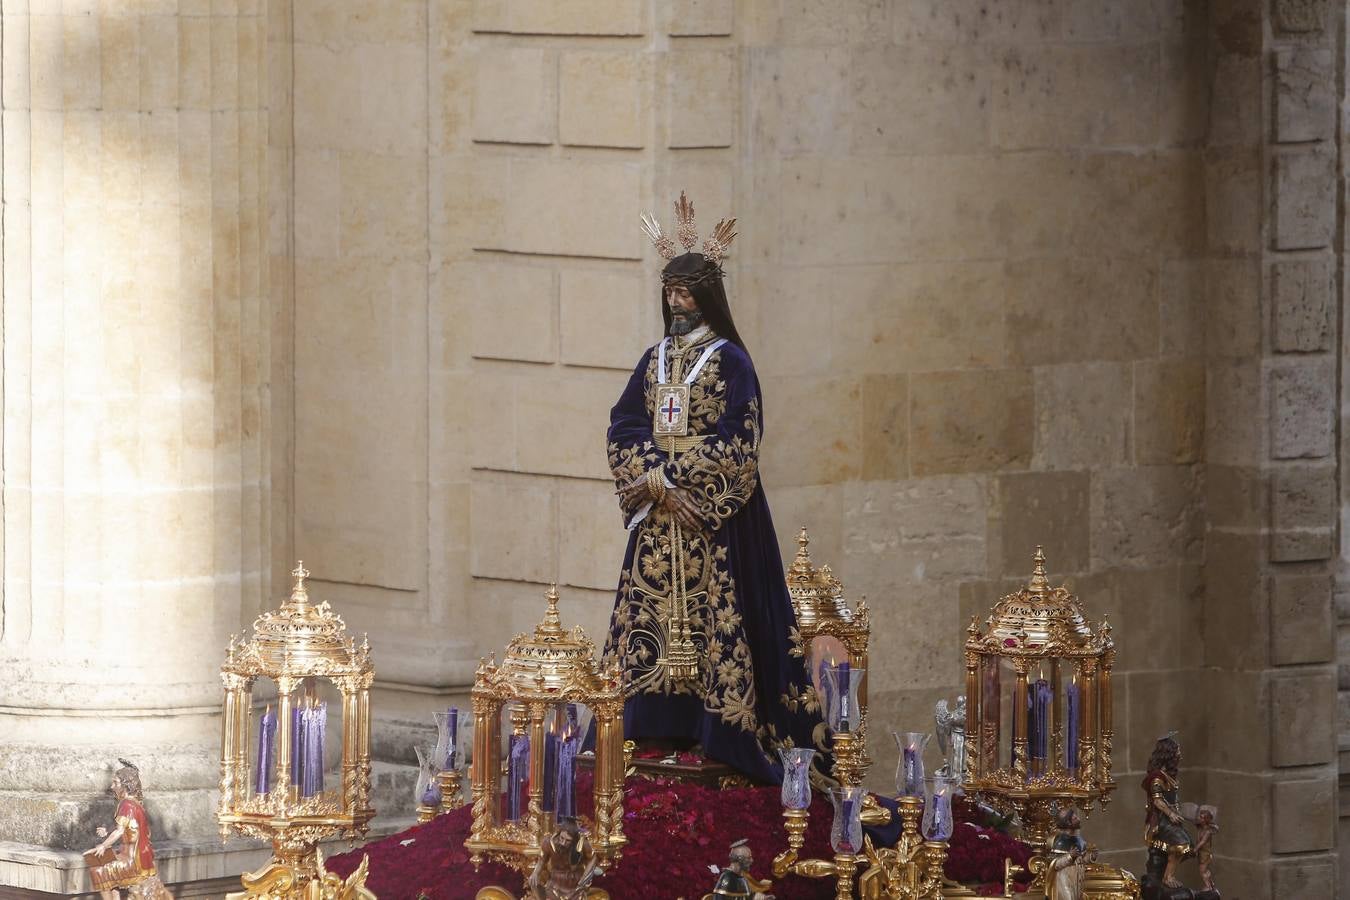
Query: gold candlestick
[(794, 822), (844, 866), (452, 796)]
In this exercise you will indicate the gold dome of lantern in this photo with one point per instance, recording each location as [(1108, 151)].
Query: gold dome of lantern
[(1039, 619), (550, 661), (817, 595), (300, 638)]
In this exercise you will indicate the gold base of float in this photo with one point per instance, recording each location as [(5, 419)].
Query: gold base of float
[(496, 893), (298, 874)]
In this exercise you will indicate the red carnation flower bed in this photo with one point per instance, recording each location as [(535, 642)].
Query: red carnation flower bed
[(676, 831)]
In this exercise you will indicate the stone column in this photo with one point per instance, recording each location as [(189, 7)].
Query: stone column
[(135, 396), (1273, 207)]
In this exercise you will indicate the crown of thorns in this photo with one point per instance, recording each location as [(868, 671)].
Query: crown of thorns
[(714, 248)]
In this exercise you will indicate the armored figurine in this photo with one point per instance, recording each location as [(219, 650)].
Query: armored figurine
[(1164, 826), (566, 866), (736, 880), (132, 866), (951, 735)]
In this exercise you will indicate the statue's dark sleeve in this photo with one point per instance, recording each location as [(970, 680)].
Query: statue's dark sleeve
[(631, 450)]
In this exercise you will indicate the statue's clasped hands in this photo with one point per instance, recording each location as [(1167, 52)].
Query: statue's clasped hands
[(676, 502)]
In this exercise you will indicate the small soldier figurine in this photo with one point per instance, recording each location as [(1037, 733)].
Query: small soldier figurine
[(736, 880), (133, 865)]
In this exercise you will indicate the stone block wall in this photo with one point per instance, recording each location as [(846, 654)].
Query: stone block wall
[(982, 299)]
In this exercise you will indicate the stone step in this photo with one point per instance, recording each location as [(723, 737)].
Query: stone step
[(391, 790)]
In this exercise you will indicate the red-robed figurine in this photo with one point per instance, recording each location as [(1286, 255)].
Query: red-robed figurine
[(132, 866)]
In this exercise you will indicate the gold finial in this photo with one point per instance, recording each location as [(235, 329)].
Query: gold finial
[(973, 629), (801, 568), (1040, 584), (299, 593), (552, 624)]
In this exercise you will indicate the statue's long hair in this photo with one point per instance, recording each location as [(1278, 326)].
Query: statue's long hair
[(703, 278), (130, 776), (1166, 756)]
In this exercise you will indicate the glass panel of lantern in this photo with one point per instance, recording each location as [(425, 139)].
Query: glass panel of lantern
[(566, 789), (826, 651)]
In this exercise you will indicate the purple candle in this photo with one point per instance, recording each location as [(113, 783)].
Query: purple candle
[(267, 731), (913, 757), (297, 744), (517, 775), (564, 783), (1042, 696), (848, 813), (1071, 726), (990, 713), (452, 752), (845, 676), (320, 714), (551, 742), (826, 689)]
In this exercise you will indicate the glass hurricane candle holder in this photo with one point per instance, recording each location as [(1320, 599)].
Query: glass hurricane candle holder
[(843, 713), (426, 794), (909, 774), (846, 834), (938, 823), (796, 793)]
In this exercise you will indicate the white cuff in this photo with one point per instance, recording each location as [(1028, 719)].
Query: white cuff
[(639, 515)]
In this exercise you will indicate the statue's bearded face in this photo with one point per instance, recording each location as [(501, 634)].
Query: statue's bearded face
[(685, 315)]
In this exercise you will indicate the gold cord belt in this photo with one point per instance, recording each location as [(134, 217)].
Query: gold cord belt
[(671, 443)]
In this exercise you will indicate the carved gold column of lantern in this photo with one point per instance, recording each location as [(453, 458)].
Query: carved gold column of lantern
[(542, 679), (829, 630), (272, 764), (1039, 717)]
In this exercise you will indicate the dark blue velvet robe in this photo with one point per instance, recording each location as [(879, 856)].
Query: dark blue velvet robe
[(752, 694)]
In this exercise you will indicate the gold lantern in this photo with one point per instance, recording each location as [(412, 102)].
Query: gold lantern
[(1038, 689), (543, 677), (827, 626), (272, 765)]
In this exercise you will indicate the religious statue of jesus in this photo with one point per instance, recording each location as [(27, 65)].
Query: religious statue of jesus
[(703, 627)]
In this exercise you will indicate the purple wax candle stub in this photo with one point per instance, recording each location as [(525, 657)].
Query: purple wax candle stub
[(913, 771), (321, 726), (297, 746), (565, 803), (1071, 727), (267, 729), (517, 775), (845, 688), (432, 795), (550, 771), (1041, 698)]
